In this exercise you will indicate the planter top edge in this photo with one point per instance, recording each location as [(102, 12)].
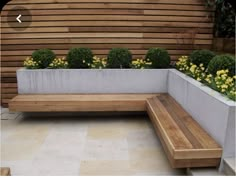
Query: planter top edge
[(128, 69), (205, 88)]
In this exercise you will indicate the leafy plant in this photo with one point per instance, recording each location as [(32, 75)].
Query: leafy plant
[(119, 58), (141, 64), (222, 81), (201, 57), (99, 63), (159, 57), (224, 25), (30, 63), (222, 62), (58, 63), (79, 57), (43, 57)]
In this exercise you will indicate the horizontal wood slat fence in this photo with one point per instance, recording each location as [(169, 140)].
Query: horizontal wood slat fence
[(178, 26)]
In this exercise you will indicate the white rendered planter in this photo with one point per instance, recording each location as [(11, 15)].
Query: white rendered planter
[(92, 81), (214, 112)]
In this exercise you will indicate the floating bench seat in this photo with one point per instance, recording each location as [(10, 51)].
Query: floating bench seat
[(184, 141), (186, 144), (82, 102)]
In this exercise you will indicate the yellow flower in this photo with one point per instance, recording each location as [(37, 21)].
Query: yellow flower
[(198, 79), (224, 86)]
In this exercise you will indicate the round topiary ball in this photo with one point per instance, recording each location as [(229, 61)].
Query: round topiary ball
[(222, 62), (43, 57), (201, 57), (119, 58), (159, 57), (79, 58)]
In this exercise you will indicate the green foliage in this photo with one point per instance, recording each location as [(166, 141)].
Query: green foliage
[(79, 58), (119, 58), (158, 57), (222, 62), (224, 18), (43, 57), (201, 57)]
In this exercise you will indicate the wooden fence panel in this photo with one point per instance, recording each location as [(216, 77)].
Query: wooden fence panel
[(178, 26)]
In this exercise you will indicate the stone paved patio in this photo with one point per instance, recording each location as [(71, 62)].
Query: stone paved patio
[(82, 145)]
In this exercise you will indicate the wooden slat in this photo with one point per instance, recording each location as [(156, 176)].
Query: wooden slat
[(194, 143), (114, 18), (107, 35), (96, 102), (116, 23), (8, 90), (104, 40), (180, 30), (98, 46), (97, 52), (108, 1), (111, 6), (118, 12)]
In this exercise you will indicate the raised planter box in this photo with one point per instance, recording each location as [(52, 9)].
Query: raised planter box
[(47, 81), (214, 112)]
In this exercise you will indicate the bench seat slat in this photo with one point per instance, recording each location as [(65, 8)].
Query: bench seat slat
[(83, 102), (203, 152)]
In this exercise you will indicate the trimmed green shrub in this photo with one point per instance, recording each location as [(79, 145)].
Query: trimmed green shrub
[(43, 57), (79, 58), (159, 57), (203, 56), (119, 58), (222, 62)]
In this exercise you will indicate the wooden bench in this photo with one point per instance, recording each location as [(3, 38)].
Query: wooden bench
[(88, 102), (5, 171), (184, 141)]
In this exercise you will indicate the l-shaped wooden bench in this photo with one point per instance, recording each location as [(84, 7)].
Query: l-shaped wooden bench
[(185, 143)]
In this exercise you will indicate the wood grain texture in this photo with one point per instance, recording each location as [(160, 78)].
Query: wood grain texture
[(92, 102), (5, 171), (184, 141), (178, 26)]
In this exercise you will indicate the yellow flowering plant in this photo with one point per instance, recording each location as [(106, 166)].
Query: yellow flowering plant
[(98, 63), (29, 63), (183, 64), (222, 82), (58, 63), (141, 64)]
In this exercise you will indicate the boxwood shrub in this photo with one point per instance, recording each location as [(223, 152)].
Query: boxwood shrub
[(222, 62), (79, 58), (203, 56), (43, 57), (119, 58), (159, 57)]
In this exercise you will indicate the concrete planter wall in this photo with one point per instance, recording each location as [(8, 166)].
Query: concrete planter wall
[(91, 81), (214, 112)]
